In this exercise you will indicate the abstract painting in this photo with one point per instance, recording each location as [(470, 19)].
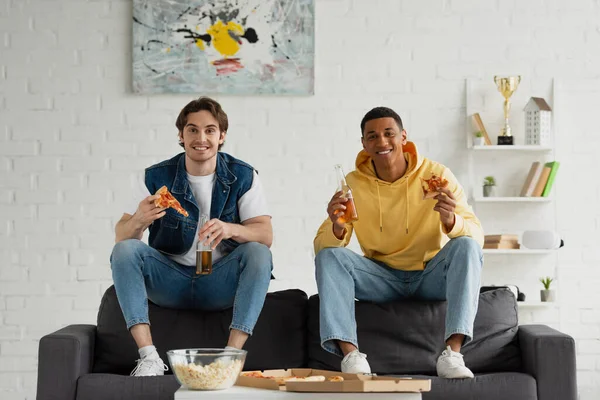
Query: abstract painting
[(223, 47)]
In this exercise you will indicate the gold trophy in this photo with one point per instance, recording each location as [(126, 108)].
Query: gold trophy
[(506, 86)]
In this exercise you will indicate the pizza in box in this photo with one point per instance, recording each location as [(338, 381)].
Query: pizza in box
[(281, 380)]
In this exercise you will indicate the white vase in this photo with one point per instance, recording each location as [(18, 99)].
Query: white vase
[(478, 141), (547, 295), (489, 191)]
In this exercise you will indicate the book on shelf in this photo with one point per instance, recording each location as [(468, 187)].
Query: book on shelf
[(540, 179), (541, 183), (502, 241), (502, 246), (532, 178), (501, 237), (553, 170), (481, 128)]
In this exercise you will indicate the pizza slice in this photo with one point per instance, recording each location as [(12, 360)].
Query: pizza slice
[(431, 187), (335, 378), (257, 374), (281, 380), (167, 200)]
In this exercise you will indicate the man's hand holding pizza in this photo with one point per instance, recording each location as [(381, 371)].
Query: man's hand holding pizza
[(147, 212), (446, 204)]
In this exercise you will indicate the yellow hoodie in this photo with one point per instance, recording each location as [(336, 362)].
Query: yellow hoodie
[(395, 225)]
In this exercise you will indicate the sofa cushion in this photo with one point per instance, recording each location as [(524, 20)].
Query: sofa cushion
[(279, 339), (119, 387), (406, 337), (495, 386)]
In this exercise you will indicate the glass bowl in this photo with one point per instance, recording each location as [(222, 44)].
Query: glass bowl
[(206, 369)]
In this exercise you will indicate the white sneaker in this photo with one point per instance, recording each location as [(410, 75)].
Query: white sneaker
[(451, 365), (151, 365), (356, 363)]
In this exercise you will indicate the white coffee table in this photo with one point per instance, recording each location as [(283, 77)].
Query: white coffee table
[(247, 393)]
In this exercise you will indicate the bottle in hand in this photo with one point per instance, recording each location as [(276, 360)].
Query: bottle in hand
[(349, 214), (203, 252)]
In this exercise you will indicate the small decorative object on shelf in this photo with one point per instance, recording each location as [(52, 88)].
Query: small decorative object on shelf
[(538, 122), (480, 129), (489, 185), (542, 240), (547, 294), (479, 140), (506, 86)]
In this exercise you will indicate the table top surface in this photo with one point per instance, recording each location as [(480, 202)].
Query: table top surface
[(241, 392)]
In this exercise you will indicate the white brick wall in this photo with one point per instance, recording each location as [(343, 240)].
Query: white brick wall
[(72, 136)]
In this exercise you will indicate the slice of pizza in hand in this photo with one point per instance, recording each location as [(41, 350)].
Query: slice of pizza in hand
[(431, 187), (167, 200)]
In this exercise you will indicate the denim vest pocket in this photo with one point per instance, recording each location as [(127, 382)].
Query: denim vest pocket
[(168, 237), (170, 221)]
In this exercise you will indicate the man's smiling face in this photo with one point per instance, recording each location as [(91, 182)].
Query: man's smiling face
[(201, 136), (382, 140)]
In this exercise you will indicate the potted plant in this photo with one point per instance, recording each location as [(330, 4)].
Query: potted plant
[(546, 294), (478, 140), (489, 183)]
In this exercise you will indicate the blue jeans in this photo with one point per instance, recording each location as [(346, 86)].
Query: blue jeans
[(240, 278), (342, 276)]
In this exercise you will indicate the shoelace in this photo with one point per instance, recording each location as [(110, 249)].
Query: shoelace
[(359, 355), (449, 353), (142, 361)]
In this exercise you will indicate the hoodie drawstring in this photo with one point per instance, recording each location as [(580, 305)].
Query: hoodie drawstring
[(406, 202), (407, 205), (380, 214)]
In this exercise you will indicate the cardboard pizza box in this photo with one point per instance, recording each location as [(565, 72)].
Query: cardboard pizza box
[(351, 383)]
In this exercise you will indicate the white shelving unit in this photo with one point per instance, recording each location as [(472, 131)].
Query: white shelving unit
[(536, 304), (513, 148), (512, 199), (516, 251), (510, 164)]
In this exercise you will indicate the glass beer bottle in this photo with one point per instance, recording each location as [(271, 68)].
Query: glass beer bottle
[(349, 214), (203, 252)]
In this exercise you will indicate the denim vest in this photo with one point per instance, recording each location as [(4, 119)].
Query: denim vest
[(174, 234)]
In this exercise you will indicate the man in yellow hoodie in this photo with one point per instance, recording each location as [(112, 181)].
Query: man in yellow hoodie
[(413, 247)]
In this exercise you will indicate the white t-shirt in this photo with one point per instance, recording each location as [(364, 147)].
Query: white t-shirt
[(252, 204)]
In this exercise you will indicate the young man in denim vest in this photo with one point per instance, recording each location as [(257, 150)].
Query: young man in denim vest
[(204, 181), (415, 246)]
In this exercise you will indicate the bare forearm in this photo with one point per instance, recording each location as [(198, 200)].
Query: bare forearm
[(128, 229), (257, 232)]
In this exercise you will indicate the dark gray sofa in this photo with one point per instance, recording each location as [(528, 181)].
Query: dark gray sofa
[(527, 362)]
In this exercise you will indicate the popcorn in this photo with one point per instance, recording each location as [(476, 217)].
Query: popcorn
[(220, 374)]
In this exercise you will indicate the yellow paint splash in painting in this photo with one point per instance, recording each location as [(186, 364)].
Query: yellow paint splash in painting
[(200, 44), (222, 41)]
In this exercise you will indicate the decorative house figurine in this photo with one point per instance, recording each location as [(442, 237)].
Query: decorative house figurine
[(538, 122)]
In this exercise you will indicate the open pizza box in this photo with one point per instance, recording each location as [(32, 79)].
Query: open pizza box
[(350, 383)]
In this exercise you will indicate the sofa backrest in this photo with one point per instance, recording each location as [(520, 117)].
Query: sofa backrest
[(279, 339), (403, 337), (406, 337)]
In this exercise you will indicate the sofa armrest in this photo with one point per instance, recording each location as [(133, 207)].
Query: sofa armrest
[(549, 356), (63, 357)]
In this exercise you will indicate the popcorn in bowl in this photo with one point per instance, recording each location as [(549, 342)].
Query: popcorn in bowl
[(207, 369)]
